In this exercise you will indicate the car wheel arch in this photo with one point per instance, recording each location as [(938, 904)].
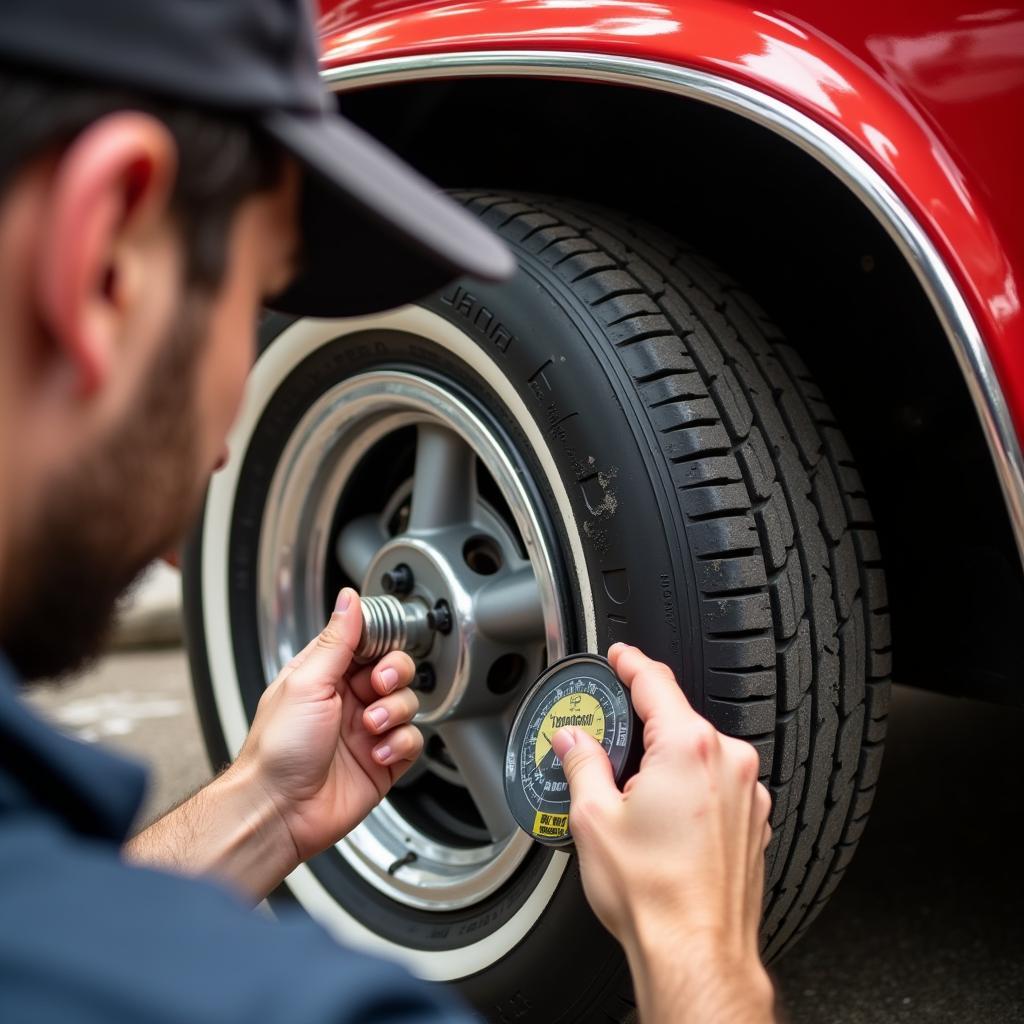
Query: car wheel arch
[(867, 267)]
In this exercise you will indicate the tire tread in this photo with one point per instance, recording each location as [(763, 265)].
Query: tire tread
[(797, 645)]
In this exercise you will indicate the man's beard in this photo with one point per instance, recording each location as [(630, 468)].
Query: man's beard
[(105, 520)]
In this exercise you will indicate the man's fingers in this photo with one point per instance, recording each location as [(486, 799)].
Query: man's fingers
[(393, 672), (327, 658), (401, 744), (395, 709), (588, 771), (653, 686)]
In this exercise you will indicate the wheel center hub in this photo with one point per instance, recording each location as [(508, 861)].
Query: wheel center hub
[(424, 571)]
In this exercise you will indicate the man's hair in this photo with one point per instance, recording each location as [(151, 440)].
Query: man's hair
[(222, 159)]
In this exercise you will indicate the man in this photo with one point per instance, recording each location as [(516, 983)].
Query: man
[(166, 168)]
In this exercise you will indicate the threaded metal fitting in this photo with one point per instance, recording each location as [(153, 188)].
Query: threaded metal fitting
[(393, 625)]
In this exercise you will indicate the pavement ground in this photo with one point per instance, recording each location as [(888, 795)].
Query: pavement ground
[(926, 927)]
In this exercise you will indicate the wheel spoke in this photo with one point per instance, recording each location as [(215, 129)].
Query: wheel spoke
[(358, 543), (444, 484), (509, 610), (477, 746)]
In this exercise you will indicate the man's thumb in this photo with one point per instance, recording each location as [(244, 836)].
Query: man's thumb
[(331, 654), (585, 763), (345, 626)]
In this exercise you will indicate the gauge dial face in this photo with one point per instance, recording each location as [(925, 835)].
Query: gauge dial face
[(580, 691)]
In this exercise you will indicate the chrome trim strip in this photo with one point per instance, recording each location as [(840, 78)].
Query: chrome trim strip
[(814, 139)]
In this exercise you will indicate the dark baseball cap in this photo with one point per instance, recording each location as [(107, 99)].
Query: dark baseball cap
[(375, 233)]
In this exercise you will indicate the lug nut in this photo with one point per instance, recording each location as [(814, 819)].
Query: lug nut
[(439, 618), (397, 581), (425, 679)]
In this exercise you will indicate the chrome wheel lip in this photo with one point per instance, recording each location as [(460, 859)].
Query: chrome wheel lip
[(319, 458)]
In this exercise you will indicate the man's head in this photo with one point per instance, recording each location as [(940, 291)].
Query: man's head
[(138, 241)]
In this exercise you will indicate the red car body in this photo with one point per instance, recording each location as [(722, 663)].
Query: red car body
[(918, 107)]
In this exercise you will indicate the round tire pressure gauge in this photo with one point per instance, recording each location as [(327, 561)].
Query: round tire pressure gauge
[(581, 690)]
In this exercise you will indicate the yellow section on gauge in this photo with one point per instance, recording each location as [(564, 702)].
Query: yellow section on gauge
[(579, 709), (551, 826)]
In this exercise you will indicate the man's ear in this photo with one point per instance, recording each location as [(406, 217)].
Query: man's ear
[(111, 185)]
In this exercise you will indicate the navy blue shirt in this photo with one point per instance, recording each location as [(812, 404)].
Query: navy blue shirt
[(85, 937)]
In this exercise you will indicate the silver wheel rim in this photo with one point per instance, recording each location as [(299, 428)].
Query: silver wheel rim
[(503, 596)]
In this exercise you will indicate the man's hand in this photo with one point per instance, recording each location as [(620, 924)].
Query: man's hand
[(331, 737), (674, 864), (328, 741)]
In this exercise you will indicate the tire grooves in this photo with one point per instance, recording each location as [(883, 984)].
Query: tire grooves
[(778, 907), (762, 394)]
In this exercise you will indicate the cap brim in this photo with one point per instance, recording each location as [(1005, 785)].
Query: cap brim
[(375, 233)]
